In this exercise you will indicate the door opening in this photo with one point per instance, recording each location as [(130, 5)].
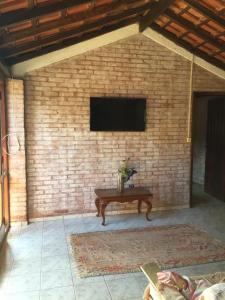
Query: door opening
[(208, 148)]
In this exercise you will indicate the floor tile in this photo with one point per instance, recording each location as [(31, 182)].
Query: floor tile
[(55, 240), (21, 296), (53, 235), (53, 224), (75, 229), (94, 291), (24, 266), (24, 243), (25, 283), (13, 234), (53, 232), (63, 293), (49, 241), (142, 281), (35, 225), (139, 298), (87, 280), (75, 225), (73, 221), (118, 276), (28, 252), (123, 288), (55, 250), (57, 278), (3, 282), (31, 236), (52, 263), (202, 269)]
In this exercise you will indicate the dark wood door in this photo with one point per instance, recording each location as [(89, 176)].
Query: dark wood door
[(215, 149)]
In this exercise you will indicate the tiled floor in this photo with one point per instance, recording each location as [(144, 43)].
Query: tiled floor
[(35, 263)]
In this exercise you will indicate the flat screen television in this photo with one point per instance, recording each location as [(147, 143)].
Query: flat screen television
[(117, 114)]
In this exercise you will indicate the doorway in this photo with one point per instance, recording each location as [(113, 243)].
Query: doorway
[(208, 148)]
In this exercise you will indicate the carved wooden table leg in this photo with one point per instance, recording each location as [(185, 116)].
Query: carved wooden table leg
[(149, 208), (97, 206), (102, 210), (139, 206)]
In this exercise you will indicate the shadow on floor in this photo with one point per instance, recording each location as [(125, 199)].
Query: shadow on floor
[(201, 198)]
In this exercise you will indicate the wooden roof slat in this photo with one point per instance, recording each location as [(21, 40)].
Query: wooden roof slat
[(187, 46), (218, 5), (191, 40), (207, 27), (197, 30), (37, 11), (180, 29), (72, 41), (156, 10), (42, 26), (7, 6), (18, 28), (196, 38), (109, 8), (207, 12), (215, 26), (69, 33), (189, 16), (172, 29)]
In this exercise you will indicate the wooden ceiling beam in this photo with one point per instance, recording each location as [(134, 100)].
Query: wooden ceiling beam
[(157, 8), (37, 11), (5, 4), (13, 37), (207, 12), (70, 42), (188, 46), (5, 53), (208, 38)]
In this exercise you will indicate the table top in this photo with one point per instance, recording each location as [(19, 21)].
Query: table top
[(111, 193)]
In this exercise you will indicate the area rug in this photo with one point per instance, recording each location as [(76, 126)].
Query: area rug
[(123, 251)]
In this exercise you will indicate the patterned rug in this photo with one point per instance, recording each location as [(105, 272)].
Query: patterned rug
[(123, 251)]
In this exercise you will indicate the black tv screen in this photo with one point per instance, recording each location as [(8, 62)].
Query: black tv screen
[(117, 114)]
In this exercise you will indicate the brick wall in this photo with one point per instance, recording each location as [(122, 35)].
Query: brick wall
[(207, 82), (17, 170), (66, 162)]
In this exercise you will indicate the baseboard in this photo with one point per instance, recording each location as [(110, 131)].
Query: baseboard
[(115, 212), (17, 224)]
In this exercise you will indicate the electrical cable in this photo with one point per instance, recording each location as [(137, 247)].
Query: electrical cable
[(190, 101)]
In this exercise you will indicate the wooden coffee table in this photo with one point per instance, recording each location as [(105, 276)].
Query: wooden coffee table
[(106, 196)]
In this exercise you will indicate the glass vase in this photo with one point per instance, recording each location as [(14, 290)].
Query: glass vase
[(120, 183)]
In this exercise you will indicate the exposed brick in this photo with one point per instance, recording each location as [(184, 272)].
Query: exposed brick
[(66, 162)]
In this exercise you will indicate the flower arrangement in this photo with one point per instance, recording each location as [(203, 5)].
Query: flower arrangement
[(125, 173)]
